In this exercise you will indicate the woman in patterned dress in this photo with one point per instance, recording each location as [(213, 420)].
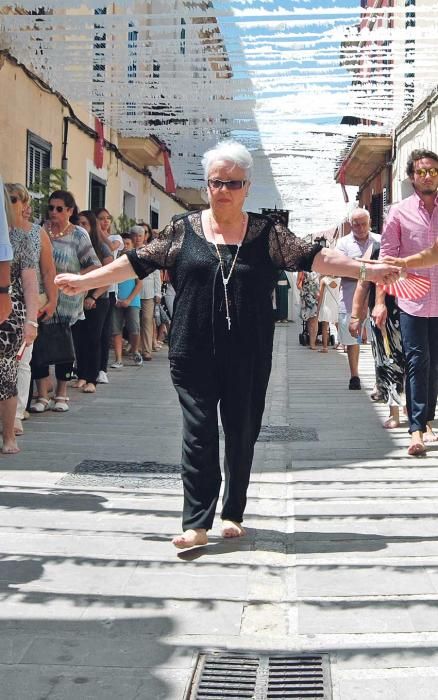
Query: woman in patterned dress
[(48, 293), (21, 326)]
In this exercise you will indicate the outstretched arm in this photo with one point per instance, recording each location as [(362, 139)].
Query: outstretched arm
[(332, 262), (117, 271)]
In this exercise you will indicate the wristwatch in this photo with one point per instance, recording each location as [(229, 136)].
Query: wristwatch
[(6, 290)]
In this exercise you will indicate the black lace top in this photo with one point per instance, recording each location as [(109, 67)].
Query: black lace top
[(199, 324)]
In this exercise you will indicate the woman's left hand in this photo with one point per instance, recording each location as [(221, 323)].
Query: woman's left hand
[(29, 333), (71, 284), (382, 273), (89, 303)]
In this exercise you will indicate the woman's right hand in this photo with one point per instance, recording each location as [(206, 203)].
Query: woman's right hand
[(71, 284), (379, 314)]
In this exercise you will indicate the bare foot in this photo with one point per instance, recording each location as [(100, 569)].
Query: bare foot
[(416, 448), (232, 529), (10, 448), (429, 435), (190, 538), (323, 350), (391, 423)]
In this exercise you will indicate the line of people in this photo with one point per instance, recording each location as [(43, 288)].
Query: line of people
[(47, 327)]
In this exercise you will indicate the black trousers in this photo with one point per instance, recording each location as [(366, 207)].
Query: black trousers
[(237, 382), (87, 337)]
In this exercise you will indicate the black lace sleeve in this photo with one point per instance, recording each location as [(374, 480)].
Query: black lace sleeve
[(160, 253), (288, 252)]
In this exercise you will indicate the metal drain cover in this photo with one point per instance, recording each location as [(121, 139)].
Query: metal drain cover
[(234, 676), (97, 472)]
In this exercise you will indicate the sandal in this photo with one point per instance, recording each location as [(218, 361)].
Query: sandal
[(39, 405), (60, 404)]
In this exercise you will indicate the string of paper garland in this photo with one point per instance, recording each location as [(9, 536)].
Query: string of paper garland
[(280, 76)]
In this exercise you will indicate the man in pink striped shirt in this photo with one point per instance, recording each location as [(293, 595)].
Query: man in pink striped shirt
[(411, 226)]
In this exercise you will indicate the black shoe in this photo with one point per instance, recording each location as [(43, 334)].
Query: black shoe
[(354, 383)]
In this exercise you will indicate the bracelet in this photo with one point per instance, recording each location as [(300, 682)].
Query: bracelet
[(362, 272), (354, 318), (32, 323)]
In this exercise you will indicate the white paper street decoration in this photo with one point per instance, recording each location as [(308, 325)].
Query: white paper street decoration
[(278, 75)]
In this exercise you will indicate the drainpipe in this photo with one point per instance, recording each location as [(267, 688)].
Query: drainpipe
[(64, 160)]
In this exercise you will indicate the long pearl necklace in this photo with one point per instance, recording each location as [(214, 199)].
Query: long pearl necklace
[(226, 278)]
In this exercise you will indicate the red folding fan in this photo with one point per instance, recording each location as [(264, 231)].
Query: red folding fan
[(409, 286)]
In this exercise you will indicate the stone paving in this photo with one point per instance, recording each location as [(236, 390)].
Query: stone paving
[(341, 553)]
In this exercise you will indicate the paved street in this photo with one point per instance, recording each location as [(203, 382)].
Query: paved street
[(341, 553)]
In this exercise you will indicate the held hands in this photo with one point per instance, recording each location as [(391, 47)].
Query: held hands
[(71, 284), (382, 272), (399, 262)]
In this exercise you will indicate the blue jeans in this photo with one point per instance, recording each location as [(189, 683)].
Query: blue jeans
[(420, 346)]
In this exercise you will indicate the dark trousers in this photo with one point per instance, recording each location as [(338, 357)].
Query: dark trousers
[(105, 340), (87, 337), (420, 346), (238, 383)]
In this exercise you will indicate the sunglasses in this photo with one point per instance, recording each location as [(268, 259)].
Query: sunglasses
[(228, 184), (59, 209), (14, 199), (422, 172)]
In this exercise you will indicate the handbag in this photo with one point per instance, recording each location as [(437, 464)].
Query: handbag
[(53, 345)]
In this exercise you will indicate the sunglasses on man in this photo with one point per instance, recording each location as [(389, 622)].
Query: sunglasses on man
[(59, 209), (422, 172), (228, 184)]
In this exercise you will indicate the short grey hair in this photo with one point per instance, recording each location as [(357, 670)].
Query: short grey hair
[(357, 211), (136, 229), (228, 152)]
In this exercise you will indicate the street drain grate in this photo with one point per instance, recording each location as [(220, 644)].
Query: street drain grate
[(234, 676), (97, 472)]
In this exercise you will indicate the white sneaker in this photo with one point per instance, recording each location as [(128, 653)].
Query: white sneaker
[(116, 365), (102, 377)]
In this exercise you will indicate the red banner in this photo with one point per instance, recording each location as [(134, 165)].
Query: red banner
[(170, 182), (99, 143)]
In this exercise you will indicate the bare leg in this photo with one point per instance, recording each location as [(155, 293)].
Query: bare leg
[(325, 335), (43, 387), (134, 341), (312, 327), (353, 359), (394, 418), (8, 410), (117, 341)]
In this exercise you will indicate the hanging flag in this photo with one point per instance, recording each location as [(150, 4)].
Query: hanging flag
[(170, 182), (99, 143)]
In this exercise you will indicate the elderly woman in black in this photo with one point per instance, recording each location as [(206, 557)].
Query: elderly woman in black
[(223, 264)]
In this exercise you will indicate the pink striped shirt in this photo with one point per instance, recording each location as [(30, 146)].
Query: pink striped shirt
[(408, 229)]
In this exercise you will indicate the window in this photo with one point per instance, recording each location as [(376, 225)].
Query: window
[(38, 159), (129, 205), (154, 217), (97, 192)]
